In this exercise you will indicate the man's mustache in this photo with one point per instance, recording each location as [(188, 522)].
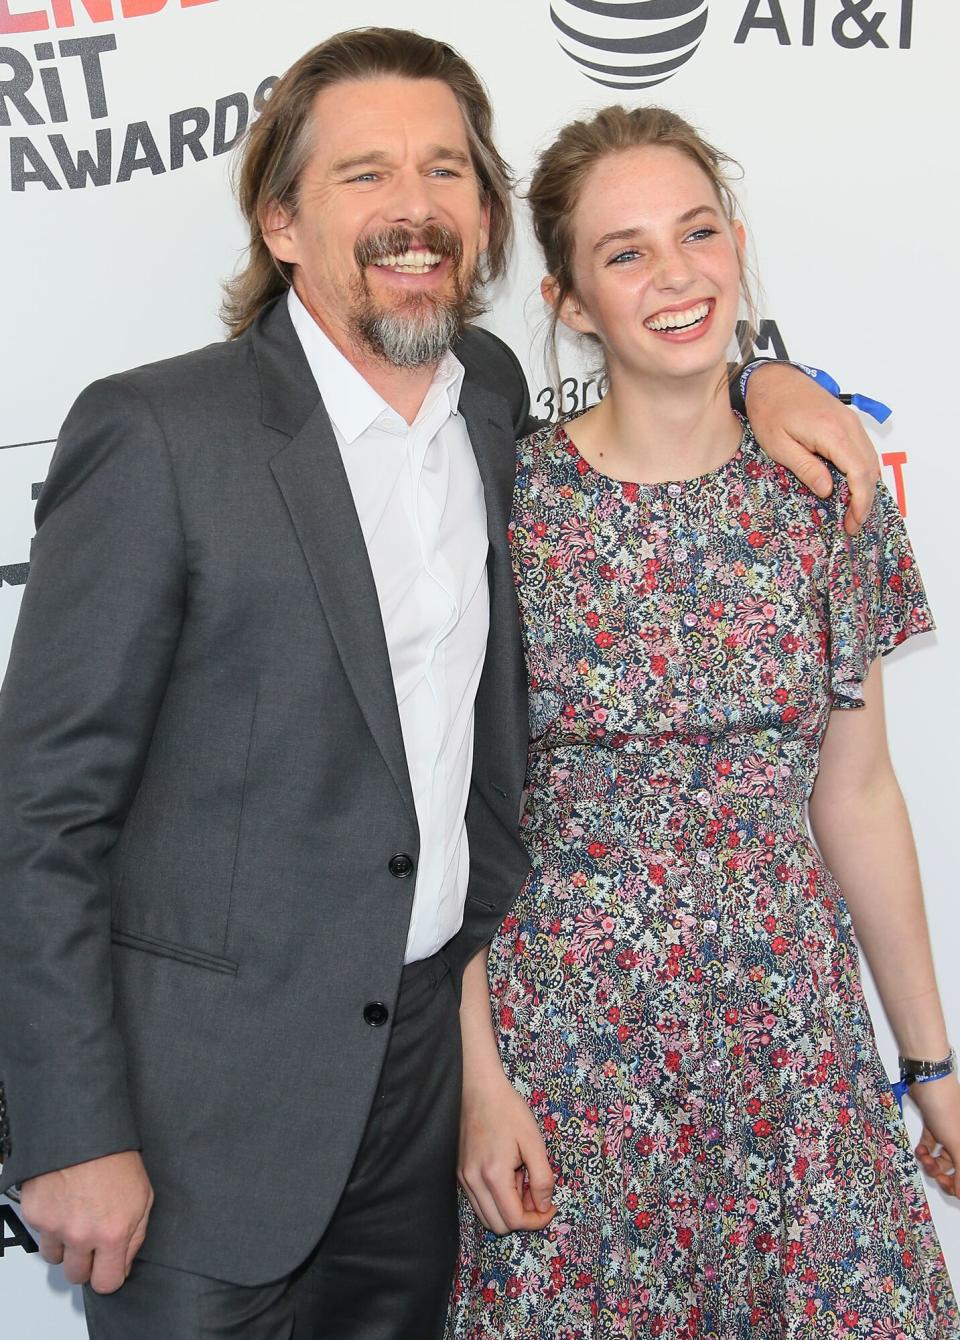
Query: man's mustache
[(395, 241)]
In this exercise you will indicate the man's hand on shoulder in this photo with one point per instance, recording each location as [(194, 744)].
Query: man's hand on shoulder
[(797, 422), (92, 1217)]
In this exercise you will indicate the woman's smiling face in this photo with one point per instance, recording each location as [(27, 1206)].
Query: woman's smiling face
[(656, 265)]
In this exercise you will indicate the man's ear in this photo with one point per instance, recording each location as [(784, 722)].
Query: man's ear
[(276, 226), (567, 308)]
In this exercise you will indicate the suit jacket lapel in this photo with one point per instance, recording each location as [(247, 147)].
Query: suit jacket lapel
[(501, 697), (309, 472), (491, 436)]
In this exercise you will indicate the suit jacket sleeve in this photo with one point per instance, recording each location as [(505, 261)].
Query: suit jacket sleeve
[(97, 632)]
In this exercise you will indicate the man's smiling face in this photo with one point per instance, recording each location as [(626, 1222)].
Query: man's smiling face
[(390, 224)]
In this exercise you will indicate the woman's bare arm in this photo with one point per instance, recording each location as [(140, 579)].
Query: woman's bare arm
[(862, 828)]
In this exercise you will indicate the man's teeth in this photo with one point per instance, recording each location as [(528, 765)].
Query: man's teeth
[(693, 316), (411, 262)]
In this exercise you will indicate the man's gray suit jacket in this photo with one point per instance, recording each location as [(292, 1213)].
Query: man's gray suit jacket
[(202, 790)]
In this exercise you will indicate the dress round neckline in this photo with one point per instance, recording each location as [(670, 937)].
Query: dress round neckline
[(636, 487)]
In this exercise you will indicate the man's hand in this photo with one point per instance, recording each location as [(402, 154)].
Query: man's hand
[(796, 422), (92, 1217), (503, 1166)]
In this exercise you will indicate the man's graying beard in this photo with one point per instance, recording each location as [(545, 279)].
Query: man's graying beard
[(420, 331)]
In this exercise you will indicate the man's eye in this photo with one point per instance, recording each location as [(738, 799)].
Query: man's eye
[(364, 176), (443, 172)]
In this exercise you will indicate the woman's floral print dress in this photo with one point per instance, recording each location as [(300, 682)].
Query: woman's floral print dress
[(677, 992)]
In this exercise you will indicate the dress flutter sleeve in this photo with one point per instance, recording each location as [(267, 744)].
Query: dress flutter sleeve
[(875, 592)]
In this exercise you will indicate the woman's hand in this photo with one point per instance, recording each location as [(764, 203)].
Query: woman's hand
[(503, 1166), (939, 1149)]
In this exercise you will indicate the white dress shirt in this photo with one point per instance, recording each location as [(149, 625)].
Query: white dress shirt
[(419, 498)]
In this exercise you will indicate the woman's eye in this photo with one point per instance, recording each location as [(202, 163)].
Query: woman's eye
[(699, 234), (621, 257)]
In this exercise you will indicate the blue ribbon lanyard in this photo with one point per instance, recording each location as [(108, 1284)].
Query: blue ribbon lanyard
[(875, 408), (899, 1090)]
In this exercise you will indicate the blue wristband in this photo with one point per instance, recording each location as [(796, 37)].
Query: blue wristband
[(921, 1072), (899, 1089), (875, 408)]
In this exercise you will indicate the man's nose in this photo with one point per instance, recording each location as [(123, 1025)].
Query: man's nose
[(411, 201)]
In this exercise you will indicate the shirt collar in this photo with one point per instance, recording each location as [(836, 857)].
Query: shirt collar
[(349, 399)]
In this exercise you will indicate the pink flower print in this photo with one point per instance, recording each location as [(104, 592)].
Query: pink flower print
[(618, 1127), (592, 932), (764, 776), (758, 1025), (753, 619)]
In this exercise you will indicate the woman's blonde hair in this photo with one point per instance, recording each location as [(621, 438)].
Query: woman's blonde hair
[(278, 146)]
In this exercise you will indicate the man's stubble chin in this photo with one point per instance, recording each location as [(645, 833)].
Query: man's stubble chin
[(409, 339), (417, 333)]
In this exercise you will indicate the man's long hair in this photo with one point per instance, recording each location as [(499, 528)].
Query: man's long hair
[(278, 146)]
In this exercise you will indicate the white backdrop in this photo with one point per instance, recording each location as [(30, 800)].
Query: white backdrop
[(838, 110)]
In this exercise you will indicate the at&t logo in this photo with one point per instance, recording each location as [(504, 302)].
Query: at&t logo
[(854, 24), (629, 43), (635, 44)]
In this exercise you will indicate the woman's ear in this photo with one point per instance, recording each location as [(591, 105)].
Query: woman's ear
[(740, 233), (567, 308), (550, 291)]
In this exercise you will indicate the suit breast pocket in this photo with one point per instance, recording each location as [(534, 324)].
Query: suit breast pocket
[(175, 860)]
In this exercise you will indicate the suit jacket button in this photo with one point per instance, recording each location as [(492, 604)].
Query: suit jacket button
[(375, 1013), (401, 865)]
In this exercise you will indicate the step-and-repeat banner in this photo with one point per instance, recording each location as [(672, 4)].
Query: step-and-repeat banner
[(117, 121)]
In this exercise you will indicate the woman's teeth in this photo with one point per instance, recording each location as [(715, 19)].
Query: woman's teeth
[(411, 262), (693, 316)]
